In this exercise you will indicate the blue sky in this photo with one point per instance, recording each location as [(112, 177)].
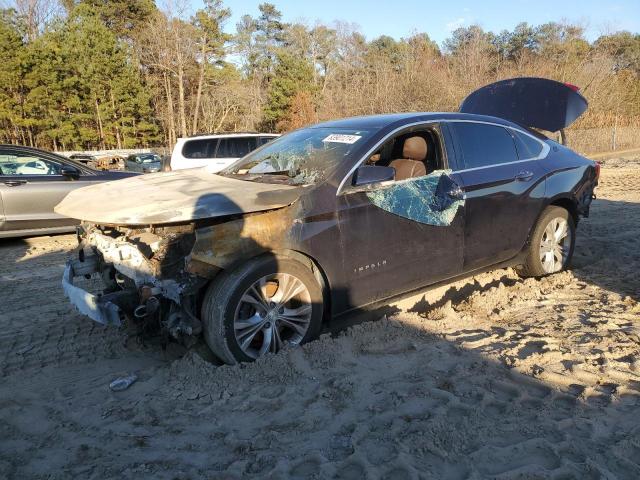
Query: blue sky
[(401, 18)]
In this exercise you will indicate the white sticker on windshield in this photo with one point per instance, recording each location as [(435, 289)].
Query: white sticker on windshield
[(339, 138)]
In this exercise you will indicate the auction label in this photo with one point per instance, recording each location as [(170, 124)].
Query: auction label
[(339, 138)]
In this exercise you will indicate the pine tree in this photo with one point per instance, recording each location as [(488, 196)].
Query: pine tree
[(84, 91), (12, 50), (292, 75)]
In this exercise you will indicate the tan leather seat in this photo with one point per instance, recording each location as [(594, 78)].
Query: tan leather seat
[(412, 165)]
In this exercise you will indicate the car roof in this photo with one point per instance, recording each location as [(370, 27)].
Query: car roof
[(384, 120), (225, 135), (27, 149), (34, 150)]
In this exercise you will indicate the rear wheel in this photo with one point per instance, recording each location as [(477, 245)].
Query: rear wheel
[(552, 243), (262, 306)]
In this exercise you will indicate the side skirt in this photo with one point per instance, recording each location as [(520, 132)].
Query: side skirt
[(34, 232), (517, 260)]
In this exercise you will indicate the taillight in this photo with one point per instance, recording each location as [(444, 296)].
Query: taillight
[(597, 171), (575, 88)]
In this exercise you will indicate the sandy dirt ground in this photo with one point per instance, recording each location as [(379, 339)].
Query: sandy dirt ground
[(494, 377)]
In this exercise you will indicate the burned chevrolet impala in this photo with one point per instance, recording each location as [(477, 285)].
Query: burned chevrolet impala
[(334, 217)]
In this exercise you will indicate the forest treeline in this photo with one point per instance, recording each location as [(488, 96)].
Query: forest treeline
[(83, 74)]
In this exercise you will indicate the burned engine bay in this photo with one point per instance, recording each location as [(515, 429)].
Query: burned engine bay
[(153, 275), (144, 275)]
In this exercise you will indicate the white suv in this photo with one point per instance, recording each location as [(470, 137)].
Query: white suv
[(215, 151)]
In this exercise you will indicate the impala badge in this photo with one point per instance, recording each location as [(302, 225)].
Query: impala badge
[(370, 266)]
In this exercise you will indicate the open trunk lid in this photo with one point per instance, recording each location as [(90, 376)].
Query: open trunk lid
[(528, 101)]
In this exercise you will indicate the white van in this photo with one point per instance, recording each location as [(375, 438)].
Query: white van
[(215, 151)]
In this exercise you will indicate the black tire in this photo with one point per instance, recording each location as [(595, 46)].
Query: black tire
[(224, 294), (533, 266)]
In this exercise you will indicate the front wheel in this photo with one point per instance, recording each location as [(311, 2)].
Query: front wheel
[(552, 243), (267, 303)]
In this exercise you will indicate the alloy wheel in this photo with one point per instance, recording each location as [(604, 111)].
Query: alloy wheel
[(273, 311), (555, 245)]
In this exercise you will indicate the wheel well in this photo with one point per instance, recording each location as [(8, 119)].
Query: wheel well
[(566, 203), (303, 258), (319, 274), (569, 205)]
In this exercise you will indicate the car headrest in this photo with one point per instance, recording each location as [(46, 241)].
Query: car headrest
[(415, 148)]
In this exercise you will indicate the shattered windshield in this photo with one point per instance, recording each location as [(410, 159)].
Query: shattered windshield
[(303, 157)]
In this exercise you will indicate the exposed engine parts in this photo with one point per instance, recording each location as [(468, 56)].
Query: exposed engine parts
[(143, 271)]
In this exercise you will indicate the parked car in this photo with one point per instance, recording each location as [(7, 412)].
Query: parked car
[(32, 182), (86, 159), (99, 161), (216, 151), (143, 163), (337, 216)]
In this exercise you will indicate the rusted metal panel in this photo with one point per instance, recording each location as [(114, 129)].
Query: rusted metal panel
[(225, 244)]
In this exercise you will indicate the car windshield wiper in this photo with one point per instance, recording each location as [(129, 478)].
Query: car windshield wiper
[(275, 177), (261, 177)]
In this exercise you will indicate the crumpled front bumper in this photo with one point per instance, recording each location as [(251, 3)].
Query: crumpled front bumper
[(95, 307)]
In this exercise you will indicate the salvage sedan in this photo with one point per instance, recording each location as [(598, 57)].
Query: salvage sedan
[(334, 217)]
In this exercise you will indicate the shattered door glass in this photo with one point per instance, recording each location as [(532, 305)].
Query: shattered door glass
[(422, 199)]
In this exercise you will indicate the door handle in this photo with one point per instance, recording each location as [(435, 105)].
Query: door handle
[(524, 176), (14, 183)]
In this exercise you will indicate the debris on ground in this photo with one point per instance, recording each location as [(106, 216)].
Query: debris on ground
[(123, 383)]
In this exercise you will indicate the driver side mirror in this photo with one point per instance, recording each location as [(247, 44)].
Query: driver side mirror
[(368, 174), (69, 171)]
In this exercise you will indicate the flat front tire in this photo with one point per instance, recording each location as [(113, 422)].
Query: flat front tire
[(258, 308), (552, 243)]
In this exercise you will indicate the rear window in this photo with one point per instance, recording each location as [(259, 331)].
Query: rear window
[(527, 147), (235, 147), (149, 158), (483, 145), (201, 148)]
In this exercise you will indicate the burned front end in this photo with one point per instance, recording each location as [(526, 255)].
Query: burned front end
[(144, 275), (158, 240), (154, 275)]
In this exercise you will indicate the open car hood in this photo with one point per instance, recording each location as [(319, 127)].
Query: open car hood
[(173, 197), (530, 102)]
